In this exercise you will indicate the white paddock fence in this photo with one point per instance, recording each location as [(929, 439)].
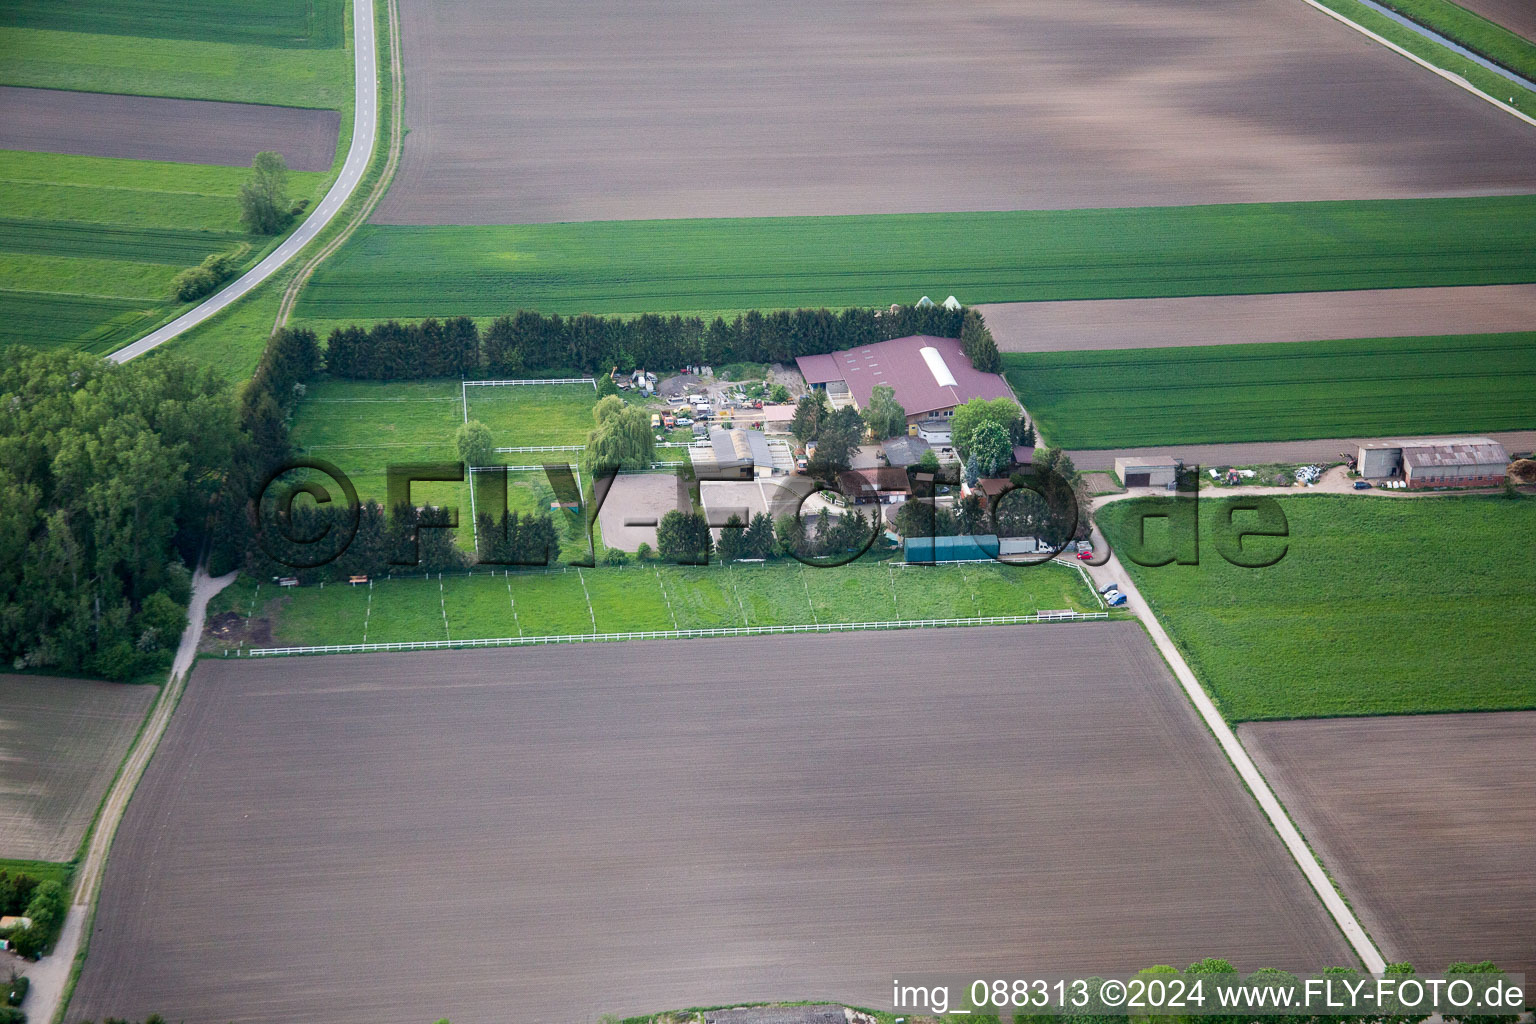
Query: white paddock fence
[(678, 634)]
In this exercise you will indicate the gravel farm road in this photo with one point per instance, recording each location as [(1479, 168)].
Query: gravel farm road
[(365, 126)]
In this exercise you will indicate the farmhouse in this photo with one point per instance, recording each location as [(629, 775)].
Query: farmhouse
[(1147, 470), (931, 376), (1436, 462)]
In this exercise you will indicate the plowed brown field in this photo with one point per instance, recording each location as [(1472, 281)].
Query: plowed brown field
[(551, 834), (1428, 822), (549, 111)]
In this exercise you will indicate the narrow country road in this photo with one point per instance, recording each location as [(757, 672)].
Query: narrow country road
[(1106, 568), (50, 975), (365, 126)]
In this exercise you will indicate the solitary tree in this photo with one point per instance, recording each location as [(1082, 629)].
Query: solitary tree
[(476, 447), (885, 417), (264, 199), (809, 412), (622, 438), (990, 447)]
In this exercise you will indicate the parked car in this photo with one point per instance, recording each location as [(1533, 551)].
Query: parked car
[(1085, 554), (1106, 588), (1362, 485), (1114, 599)]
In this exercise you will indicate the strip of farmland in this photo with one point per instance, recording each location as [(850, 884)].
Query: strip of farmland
[(1232, 319), (155, 128), (1230, 393), (522, 827), (1427, 821), (772, 263)]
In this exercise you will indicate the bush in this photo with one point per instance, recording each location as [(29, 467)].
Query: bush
[(11, 1015), (264, 206), (17, 992), (476, 446), (203, 279)]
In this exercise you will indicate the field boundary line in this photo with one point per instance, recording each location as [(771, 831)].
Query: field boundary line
[(529, 381), (681, 634), (1449, 76)]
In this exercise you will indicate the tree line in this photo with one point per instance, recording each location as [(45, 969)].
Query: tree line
[(528, 343)]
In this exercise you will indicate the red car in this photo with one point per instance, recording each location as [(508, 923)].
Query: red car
[(1085, 555)]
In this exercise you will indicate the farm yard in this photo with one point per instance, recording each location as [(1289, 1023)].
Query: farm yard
[(1359, 615), (1428, 822), (807, 833), (568, 601), (831, 110), (61, 741), (89, 245), (686, 266), (1276, 392)]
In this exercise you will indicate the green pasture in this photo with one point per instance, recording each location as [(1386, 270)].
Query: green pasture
[(1278, 392), (179, 68), (89, 245), (534, 414), (766, 263), (1380, 605), (286, 23), (652, 596)]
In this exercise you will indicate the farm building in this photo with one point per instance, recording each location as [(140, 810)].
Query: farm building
[(1147, 470), (964, 548), (886, 485), (738, 447), (931, 376), (1436, 462), (905, 451)]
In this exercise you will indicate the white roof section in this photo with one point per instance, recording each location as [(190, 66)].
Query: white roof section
[(951, 303), (938, 367)]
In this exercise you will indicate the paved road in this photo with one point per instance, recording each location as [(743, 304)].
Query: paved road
[(50, 974), (1254, 453), (365, 126)]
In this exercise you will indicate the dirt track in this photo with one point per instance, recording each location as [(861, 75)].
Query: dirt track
[(552, 834), (1238, 319), (153, 128), (1427, 821), (1519, 16), (1255, 453), (619, 110)]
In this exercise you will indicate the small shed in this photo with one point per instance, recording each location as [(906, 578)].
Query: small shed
[(1147, 470), (905, 451)]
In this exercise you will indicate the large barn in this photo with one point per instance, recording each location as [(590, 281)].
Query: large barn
[(1436, 462), (931, 376)]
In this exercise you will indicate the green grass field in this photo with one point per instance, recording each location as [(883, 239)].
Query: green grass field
[(1380, 605), (178, 68), (725, 265), (287, 23), (656, 597), (89, 245), (363, 426), (1278, 392), (42, 870)]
